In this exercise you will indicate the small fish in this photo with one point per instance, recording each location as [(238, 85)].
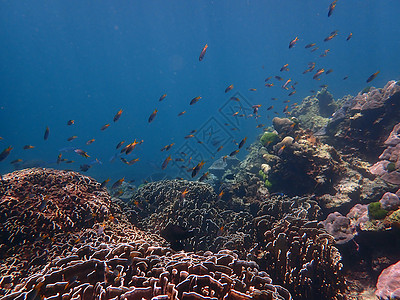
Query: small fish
[(286, 101), (182, 113), (220, 195), (69, 161), (325, 53), (292, 93), (220, 148), (344, 78), (204, 176), (26, 147), (242, 142), (293, 42), (189, 136), (120, 144), (278, 78), (167, 147), (132, 161), (59, 158), (349, 36), (90, 141), (329, 71), (153, 115), (131, 146), (104, 183), (229, 88), (118, 193), (314, 49), (252, 90), (81, 152), (203, 52), (284, 68), (118, 183), (46, 133), (118, 115), (271, 107), (286, 108), (260, 125), (373, 76), (268, 78), (269, 84), (235, 114), (179, 159), (319, 72), (281, 150), (309, 45), (71, 138), (234, 99), (165, 163), (331, 36), (197, 168), (183, 195), (233, 153), (123, 160), (331, 8), (194, 100), (286, 83), (104, 127), (15, 161), (162, 97), (274, 98), (71, 122)]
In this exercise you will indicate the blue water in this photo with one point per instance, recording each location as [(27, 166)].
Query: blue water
[(82, 60)]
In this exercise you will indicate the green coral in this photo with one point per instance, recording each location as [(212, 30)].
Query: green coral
[(269, 139), (262, 175), (376, 212), (268, 184)]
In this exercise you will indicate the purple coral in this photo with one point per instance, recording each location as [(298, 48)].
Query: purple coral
[(390, 201), (388, 285), (339, 227)]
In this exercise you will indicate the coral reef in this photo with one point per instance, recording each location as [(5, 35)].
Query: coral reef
[(314, 111), (300, 255), (388, 286)]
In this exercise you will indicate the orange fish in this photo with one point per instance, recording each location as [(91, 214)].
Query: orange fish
[(26, 147), (132, 161), (268, 78), (118, 115), (281, 150), (105, 127), (165, 163), (373, 76), (286, 83), (349, 36), (319, 72), (233, 153), (153, 115), (203, 52), (183, 195), (252, 90), (220, 148), (120, 144), (81, 152), (71, 138), (167, 147), (46, 133), (70, 122), (220, 195), (331, 8), (90, 141), (271, 107), (229, 88), (5, 153), (331, 36), (325, 53), (118, 183), (242, 142), (309, 45), (189, 136), (235, 99), (59, 158), (194, 100), (162, 97), (293, 42), (203, 177), (269, 84), (286, 108), (197, 168), (292, 93), (182, 113), (285, 68)]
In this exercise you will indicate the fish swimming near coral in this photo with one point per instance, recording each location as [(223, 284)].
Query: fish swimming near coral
[(174, 234), (165, 163), (373, 76)]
